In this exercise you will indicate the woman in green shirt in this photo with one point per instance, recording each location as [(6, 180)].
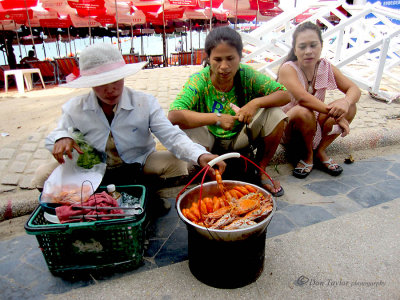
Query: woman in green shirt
[(228, 105)]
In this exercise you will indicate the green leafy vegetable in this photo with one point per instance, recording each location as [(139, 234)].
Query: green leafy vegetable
[(90, 156)]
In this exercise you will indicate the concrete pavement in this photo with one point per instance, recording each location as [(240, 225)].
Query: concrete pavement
[(355, 256), (330, 238)]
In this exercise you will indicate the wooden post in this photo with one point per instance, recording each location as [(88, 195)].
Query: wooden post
[(164, 41)]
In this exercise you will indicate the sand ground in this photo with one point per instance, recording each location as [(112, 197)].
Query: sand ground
[(21, 115)]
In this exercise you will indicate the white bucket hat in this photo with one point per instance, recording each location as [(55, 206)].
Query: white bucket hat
[(101, 64)]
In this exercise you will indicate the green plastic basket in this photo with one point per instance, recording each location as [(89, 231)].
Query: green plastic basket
[(110, 244)]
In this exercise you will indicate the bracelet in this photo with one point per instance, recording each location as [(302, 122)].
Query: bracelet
[(218, 123)]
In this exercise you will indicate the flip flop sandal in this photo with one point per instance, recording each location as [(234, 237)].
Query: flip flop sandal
[(268, 181), (334, 172), (300, 172)]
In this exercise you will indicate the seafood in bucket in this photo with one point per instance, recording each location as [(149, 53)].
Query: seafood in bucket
[(239, 207)]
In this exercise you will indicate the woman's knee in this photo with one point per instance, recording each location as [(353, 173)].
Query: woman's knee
[(303, 120), (278, 131)]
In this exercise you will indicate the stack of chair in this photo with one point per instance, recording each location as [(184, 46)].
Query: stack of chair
[(174, 59), (155, 61), (143, 58), (65, 66), (198, 56), (130, 58), (185, 58), (47, 69)]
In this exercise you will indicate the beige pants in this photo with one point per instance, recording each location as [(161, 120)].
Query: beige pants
[(161, 163), (264, 122)]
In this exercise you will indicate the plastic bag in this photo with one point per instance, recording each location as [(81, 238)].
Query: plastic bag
[(70, 183)]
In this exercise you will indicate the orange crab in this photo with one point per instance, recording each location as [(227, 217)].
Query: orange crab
[(237, 208)]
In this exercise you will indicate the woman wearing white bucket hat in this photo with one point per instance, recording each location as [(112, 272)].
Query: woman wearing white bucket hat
[(120, 121)]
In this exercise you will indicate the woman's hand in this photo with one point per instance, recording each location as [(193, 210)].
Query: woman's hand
[(227, 121), (247, 112), (205, 158), (344, 124), (338, 108), (65, 146)]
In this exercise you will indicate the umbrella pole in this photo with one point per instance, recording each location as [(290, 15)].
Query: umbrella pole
[(258, 9), (116, 18), (190, 30), (44, 48), (69, 39), (49, 34), (131, 39), (236, 10), (30, 28), (199, 38), (182, 41), (141, 41), (90, 30), (186, 43), (211, 14), (19, 45), (58, 48), (164, 41)]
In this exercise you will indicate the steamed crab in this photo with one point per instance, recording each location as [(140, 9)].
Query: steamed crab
[(239, 213)]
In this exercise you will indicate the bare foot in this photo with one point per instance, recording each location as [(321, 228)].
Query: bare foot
[(274, 186)]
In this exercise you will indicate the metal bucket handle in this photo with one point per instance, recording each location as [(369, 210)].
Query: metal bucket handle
[(210, 164)]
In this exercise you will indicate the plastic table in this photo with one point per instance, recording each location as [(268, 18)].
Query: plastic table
[(22, 75)]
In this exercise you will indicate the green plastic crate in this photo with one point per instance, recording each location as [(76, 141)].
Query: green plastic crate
[(110, 244)]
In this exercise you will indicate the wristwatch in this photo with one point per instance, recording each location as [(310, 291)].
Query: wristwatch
[(218, 123)]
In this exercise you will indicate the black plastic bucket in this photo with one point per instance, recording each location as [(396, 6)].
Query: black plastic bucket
[(224, 258), (226, 264)]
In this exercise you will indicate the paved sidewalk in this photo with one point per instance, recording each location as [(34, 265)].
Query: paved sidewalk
[(329, 238), (377, 124)]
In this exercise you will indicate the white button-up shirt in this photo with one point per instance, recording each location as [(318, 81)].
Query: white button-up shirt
[(138, 115)]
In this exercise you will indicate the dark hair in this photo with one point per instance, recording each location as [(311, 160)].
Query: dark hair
[(223, 34), (231, 37), (299, 29), (31, 53)]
